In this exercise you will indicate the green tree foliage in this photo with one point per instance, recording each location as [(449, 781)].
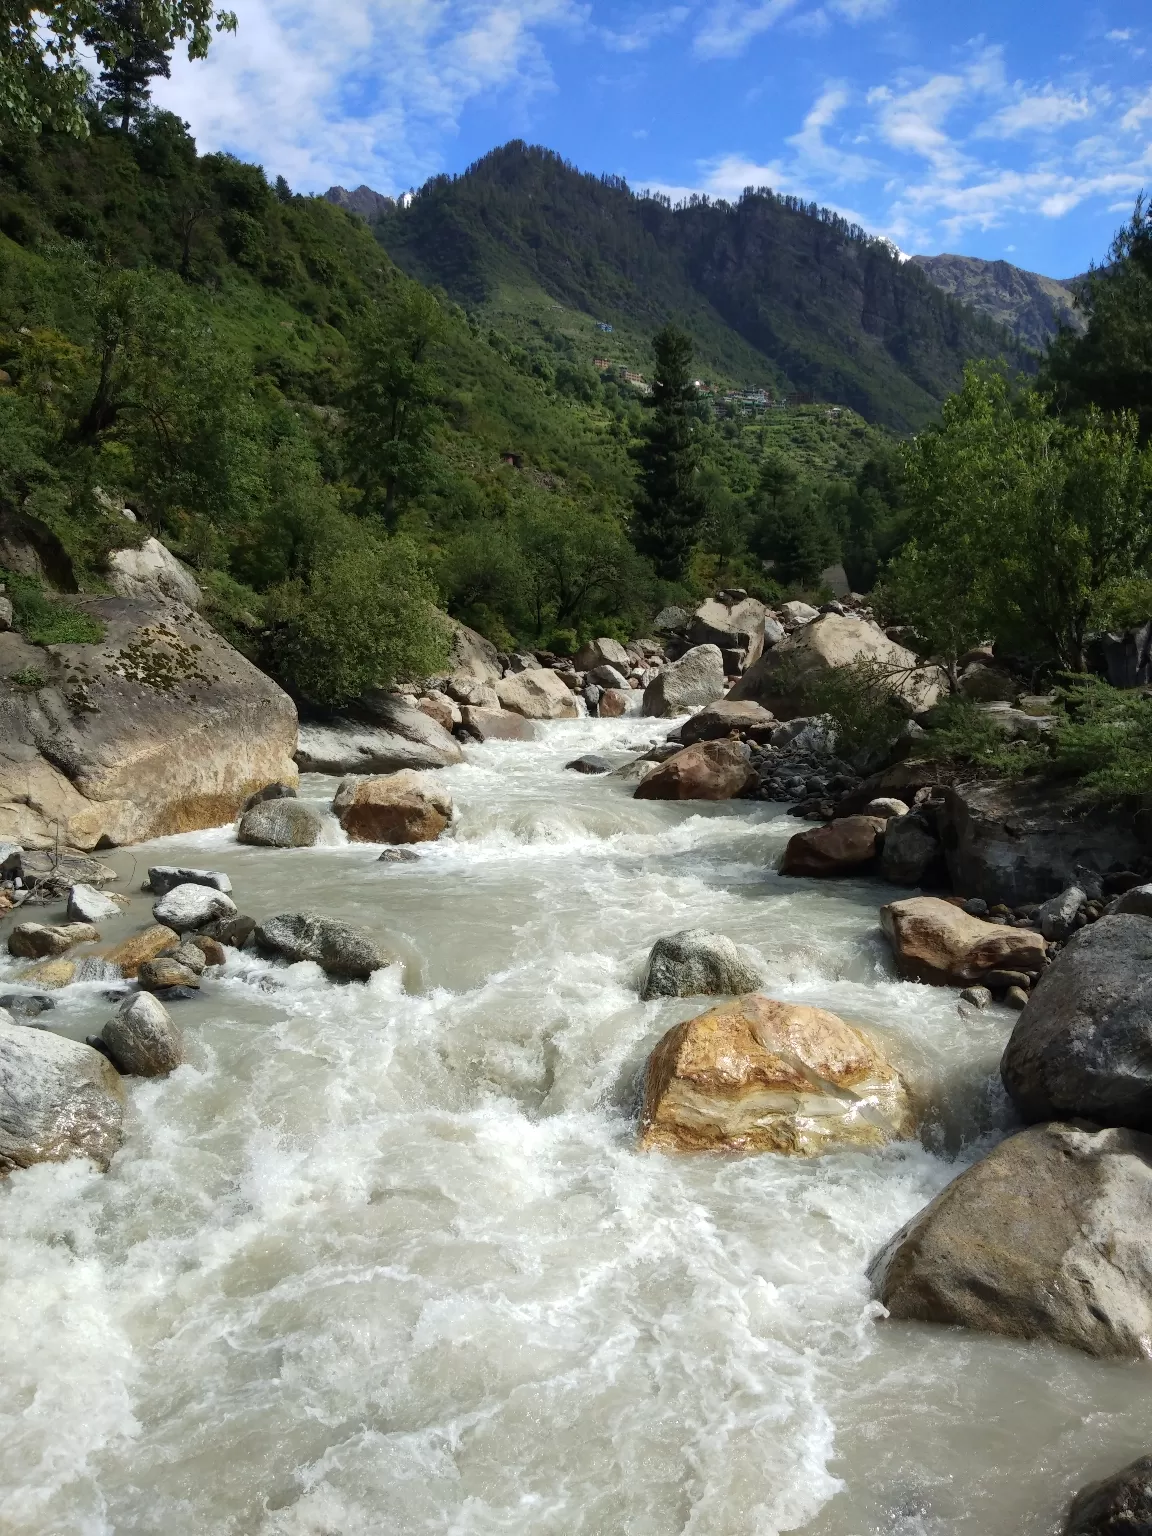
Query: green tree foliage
[(139, 57), (1111, 365), (363, 618), (391, 401), (42, 81), (797, 539), (671, 507)]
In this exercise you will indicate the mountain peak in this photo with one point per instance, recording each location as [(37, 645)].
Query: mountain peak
[(368, 204), (1031, 306)]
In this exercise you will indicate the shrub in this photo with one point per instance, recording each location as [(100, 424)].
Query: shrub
[(862, 703), (43, 620)]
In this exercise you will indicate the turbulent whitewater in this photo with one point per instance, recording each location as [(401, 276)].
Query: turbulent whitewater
[(383, 1259)]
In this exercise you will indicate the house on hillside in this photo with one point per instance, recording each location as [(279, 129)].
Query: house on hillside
[(602, 364), (602, 325)]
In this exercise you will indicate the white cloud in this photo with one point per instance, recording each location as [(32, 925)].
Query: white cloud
[(1039, 112), (1120, 35), (1138, 114), (360, 89), (730, 26), (645, 30)]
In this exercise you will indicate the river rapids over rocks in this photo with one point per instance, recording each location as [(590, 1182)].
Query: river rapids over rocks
[(383, 1260)]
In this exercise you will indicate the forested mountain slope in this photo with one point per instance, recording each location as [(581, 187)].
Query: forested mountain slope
[(1032, 307), (774, 292)]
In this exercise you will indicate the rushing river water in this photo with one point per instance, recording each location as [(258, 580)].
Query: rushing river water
[(381, 1260)]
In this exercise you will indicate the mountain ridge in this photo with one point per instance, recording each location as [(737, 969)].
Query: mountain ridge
[(1030, 305)]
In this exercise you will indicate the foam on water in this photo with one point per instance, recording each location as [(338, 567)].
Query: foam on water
[(382, 1258)]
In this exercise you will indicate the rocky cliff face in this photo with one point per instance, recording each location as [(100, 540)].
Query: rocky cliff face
[(162, 727), (1032, 307)]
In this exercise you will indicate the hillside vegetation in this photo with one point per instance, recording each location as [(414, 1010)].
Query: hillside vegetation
[(773, 291)]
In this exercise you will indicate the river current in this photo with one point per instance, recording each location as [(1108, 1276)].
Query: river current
[(382, 1260)]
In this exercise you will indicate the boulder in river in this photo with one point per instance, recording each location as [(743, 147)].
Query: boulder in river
[(733, 626), (1120, 1505), (1082, 1048), (837, 848), (539, 694), (141, 1040), (88, 905), (495, 724), (911, 849), (784, 676), (755, 1075), (58, 1099), (161, 727), (399, 736), (1048, 1237), (602, 653), (190, 906), (400, 808), (169, 976), (941, 944), (684, 685), (281, 824), (696, 963), (619, 703), (131, 953), (722, 718), (344, 951), (711, 770), (163, 877), (38, 941), (589, 763)]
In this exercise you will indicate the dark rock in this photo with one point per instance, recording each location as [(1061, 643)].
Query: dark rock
[(976, 906), (1016, 997), (912, 851), (1000, 981), (1083, 1046), (696, 963), (269, 792), (142, 1041), (1120, 1505), (722, 718), (979, 997), (281, 824), (165, 973), (211, 949), (1048, 1237), (1057, 917), (163, 878), (233, 931), (399, 856), (589, 763), (343, 951), (27, 1005)]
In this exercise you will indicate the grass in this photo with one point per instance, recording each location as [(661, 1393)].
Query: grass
[(45, 621)]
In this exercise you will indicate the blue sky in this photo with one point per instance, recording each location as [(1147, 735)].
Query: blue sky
[(1009, 129)]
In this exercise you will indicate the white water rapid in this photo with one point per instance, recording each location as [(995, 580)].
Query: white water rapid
[(382, 1260)]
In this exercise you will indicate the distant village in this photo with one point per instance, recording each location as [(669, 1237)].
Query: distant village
[(729, 402)]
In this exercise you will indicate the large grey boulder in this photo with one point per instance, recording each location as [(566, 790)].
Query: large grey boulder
[(141, 1039), (281, 824), (397, 736), (1120, 1505), (473, 656), (58, 1099), (697, 963), (1048, 1237), (603, 653), (344, 951), (1057, 917), (186, 907), (693, 681), (164, 877), (1083, 1045), (1024, 842), (783, 679), (538, 694), (736, 627), (160, 728), (1138, 901), (152, 572)]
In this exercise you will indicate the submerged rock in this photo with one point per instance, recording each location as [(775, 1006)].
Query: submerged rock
[(711, 770), (401, 808), (836, 848), (939, 943), (281, 824), (341, 949), (186, 907), (142, 1041), (1120, 1505), (695, 963), (756, 1075), (58, 1099), (1082, 1048), (1048, 1237)]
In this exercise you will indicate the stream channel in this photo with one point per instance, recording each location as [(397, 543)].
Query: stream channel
[(382, 1260)]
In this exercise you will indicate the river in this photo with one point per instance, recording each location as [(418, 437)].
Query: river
[(382, 1260)]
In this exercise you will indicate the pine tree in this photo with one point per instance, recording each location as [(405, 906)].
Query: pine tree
[(671, 506), (125, 81)]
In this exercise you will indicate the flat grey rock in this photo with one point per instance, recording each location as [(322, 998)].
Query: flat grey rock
[(163, 877), (88, 905), (341, 949), (186, 907)]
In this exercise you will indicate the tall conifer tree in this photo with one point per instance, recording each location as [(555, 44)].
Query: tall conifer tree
[(671, 506), (126, 79)]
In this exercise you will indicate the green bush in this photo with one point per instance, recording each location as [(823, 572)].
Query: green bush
[(364, 619), (862, 703), (45, 621)]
